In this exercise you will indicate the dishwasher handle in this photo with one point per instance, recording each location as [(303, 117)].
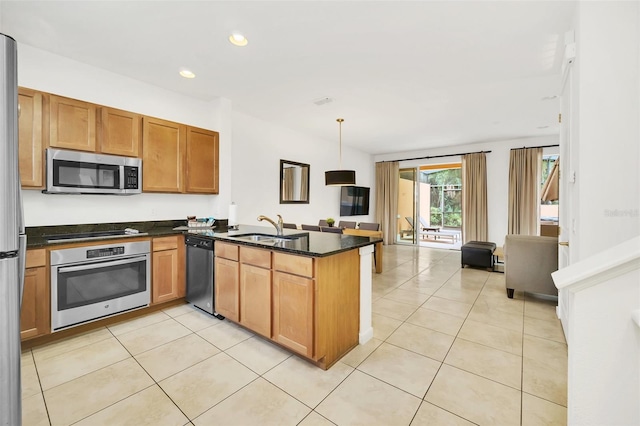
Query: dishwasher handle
[(199, 242)]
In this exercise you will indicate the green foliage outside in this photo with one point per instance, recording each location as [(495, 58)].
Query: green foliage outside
[(446, 197)]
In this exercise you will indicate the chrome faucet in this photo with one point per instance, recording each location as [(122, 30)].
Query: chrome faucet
[(278, 225)]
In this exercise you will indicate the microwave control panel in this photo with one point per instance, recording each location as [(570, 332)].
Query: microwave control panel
[(131, 177)]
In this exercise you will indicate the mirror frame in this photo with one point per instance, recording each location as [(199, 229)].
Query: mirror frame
[(294, 163)]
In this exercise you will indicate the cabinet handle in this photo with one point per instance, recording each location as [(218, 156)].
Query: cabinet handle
[(564, 243)]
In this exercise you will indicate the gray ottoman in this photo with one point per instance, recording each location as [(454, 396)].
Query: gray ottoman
[(479, 254)]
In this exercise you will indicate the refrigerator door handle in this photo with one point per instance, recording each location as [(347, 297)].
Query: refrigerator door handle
[(22, 258)]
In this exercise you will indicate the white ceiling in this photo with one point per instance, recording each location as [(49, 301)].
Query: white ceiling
[(405, 75)]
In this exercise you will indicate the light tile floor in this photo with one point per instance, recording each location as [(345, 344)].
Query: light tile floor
[(449, 348)]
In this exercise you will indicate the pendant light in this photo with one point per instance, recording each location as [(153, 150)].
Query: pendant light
[(340, 177)]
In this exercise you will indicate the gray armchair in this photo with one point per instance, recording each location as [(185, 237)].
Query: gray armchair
[(528, 262)]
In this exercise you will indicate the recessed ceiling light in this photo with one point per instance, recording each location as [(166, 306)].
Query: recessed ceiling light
[(187, 74), (238, 39)]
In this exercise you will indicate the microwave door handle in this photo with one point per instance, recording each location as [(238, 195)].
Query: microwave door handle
[(122, 176), (98, 265)]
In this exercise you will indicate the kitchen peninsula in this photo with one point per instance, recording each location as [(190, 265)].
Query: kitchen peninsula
[(309, 292)]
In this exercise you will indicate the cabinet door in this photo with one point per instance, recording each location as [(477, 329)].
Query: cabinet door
[(255, 299), (35, 314), (35, 317), (72, 124), (162, 155), (202, 161), (293, 301), (165, 276), (119, 132), (227, 288), (30, 138)]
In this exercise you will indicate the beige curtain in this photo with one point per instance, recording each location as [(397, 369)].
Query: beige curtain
[(475, 222), (287, 183), (304, 185), (524, 191), (387, 199)]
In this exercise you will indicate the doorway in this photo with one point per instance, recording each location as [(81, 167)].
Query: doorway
[(430, 206)]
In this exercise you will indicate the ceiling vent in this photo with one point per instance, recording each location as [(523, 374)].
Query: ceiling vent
[(322, 101)]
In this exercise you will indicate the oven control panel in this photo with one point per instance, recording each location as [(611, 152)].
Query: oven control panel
[(105, 252)]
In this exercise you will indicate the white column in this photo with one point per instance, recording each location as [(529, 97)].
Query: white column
[(366, 329)]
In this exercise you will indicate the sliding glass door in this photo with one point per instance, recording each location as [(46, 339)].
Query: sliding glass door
[(407, 198), (430, 205)]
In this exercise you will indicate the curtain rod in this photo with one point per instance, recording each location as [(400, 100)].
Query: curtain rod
[(541, 146), (436, 156)]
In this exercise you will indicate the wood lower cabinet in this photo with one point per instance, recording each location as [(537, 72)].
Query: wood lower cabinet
[(35, 314), (293, 314), (119, 132), (227, 287), (30, 138), (72, 124), (255, 290), (168, 269), (308, 305)]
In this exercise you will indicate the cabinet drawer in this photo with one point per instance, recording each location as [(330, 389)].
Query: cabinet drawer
[(256, 257), (298, 265), (227, 251), (165, 243), (36, 258)]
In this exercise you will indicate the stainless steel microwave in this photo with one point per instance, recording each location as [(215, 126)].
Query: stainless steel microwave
[(74, 172)]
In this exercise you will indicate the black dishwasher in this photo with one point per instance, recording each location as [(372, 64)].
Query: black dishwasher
[(200, 277)]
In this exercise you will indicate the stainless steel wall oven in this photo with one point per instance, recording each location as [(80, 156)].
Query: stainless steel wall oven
[(92, 282)]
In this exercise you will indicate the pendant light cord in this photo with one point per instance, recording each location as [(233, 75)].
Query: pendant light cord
[(340, 120)]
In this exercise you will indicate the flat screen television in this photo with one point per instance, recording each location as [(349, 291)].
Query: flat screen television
[(354, 201)]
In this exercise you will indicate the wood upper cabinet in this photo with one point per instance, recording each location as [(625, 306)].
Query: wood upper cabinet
[(30, 138), (202, 161), (119, 132), (163, 146), (35, 314), (293, 313), (72, 124), (168, 269), (255, 290)]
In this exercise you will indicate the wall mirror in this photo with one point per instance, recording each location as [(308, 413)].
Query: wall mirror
[(294, 182)]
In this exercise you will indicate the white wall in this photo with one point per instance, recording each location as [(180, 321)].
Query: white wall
[(44, 71), (257, 149), (607, 118), (497, 172)]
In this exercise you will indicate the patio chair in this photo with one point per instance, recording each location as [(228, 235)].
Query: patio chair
[(426, 226), (290, 225), (322, 222), (404, 232), (310, 227)]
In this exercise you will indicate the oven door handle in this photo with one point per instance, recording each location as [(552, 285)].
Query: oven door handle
[(104, 264)]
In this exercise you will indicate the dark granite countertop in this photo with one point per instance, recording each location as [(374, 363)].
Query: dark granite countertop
[(37, 236), (306, 243)]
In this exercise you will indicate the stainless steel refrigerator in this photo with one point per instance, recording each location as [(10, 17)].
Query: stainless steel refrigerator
[(12, 239)]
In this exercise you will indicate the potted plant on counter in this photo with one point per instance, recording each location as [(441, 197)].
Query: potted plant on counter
[(330, 221)]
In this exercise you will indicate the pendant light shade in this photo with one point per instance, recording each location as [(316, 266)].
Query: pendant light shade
[(340, 177)]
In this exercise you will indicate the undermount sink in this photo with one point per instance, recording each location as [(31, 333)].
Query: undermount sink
[(266, 239)]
